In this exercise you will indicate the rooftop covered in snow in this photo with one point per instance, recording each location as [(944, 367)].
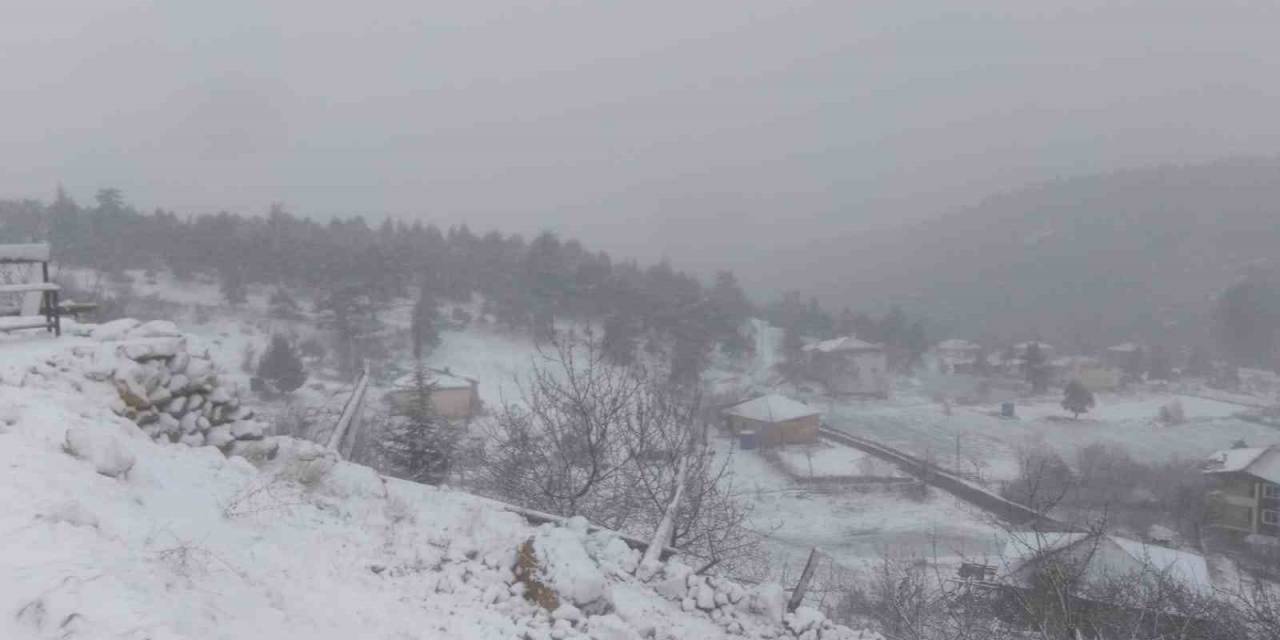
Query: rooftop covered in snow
[(772, 408), (1260, 462), (846, 343), (24, 253), (1112, 556), (958, 344)]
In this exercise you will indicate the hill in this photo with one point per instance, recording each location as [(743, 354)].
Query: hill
[(1138, 254), (111, 535)]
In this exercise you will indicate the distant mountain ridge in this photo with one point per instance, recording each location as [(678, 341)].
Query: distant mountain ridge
[(1137, 254)]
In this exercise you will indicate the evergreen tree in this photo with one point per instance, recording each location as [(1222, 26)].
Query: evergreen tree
[(1135, 365), (1199, 364), (728, 309), (418, 444), (1248, 322), (621, 337), (1077, 398), (792, 353), (1159, 364), (280, 366), (357, 332), (424, 323), (1036, 368), (283, 306), (916, 343), (233, 288)]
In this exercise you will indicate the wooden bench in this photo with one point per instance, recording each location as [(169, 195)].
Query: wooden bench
[(39, 307)]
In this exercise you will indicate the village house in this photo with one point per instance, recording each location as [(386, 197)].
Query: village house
[(1099, 559), (773, 420), (1245, 496), (849, 366), (454, 397), (1093, 373), (957, 356)]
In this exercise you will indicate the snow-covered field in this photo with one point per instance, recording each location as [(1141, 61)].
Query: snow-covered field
[(108, 534), (829, 460), (974, 441), (856, 526)]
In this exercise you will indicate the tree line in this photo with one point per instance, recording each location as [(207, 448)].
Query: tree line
[(353, 267)]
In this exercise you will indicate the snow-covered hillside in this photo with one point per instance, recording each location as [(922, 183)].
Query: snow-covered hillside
[(109, 534)]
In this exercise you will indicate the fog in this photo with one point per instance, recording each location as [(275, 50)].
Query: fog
[(706, 132)]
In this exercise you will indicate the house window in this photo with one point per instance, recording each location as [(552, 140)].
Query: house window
[(1270, 517), (1271, 490)]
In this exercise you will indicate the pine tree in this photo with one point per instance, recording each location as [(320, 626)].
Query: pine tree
[(418, 444), (424, 324), (283, 306), (1135, 365), (621, 337), (1198, 363), (280, 366), (1036, 367), (1159, 364), (233, 288), (1077, 398), (792, 353)]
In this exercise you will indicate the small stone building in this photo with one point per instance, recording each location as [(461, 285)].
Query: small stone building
[(775, 420), (455, 397)]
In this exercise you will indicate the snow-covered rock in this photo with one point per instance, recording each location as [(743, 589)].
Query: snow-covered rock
[(769, 601), (566, 566), (247, 430), (156, 329), (101, 448), (114, 330)]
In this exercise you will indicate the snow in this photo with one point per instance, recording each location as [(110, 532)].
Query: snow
[(1261, 462), (187, 543), (1113, 556), (846, 343), (834, 460), (101, 448), (772, 408), (496, 360), (854, 527), (24, 253), (989, 447), (957, 344)]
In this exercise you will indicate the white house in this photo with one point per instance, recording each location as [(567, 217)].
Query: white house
[(848, 365), (956, 355)]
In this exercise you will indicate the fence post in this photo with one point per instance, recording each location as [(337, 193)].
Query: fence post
[(806, 576)]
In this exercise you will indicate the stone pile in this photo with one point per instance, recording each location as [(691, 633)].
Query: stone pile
[(174, 395)]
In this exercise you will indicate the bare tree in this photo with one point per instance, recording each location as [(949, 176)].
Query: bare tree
[(616, 444)]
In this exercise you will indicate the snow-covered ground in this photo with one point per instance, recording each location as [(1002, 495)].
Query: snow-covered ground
[(856, 526), (830, 460), (990, 447), (108, 534)]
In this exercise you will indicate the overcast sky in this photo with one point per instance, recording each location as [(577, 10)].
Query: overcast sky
[(699, 130)]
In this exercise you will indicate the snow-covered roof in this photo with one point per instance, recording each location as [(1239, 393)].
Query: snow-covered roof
[(24, 253), (1124, 347), (437, 378), (1113, 555), (1261, 462), (957, 344), (772, 408), (1023, 346), (846, 343), (1188, 568)]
